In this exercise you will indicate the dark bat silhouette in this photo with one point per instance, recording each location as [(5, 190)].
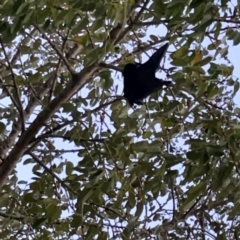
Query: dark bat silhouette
[(140, 80)]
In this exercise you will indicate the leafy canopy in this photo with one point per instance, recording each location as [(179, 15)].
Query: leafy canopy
[(77, 162)]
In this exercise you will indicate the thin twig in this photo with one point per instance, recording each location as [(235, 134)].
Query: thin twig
[(59, 53), (109, 66)]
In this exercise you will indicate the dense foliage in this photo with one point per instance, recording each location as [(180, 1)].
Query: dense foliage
[(91, 167)]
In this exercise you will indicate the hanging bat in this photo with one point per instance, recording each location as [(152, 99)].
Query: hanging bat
[(140, 80)]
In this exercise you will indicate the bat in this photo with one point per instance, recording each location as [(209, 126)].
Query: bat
[(140, 80)]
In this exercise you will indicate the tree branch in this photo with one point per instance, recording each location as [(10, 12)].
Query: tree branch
[(17, 103), (110, 66), (59, 53), (20, 147), (36, 159), (67, 138)]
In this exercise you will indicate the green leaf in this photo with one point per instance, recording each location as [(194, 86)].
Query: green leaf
[(38, 222), (171, 106), (2, 127), (202, 88), (180, 53), (100, 11), (236, 88), (205, 61), (23, 8), (193, 155), (69, 168), (92, 57), (192, 195), (80, 26)]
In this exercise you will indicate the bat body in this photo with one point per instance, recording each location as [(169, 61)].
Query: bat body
[(140, 80)]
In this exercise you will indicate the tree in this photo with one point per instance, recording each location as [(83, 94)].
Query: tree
[(166, 170)]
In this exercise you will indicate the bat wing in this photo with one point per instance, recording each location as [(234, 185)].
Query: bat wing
[(154, 61), (147, 71)]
